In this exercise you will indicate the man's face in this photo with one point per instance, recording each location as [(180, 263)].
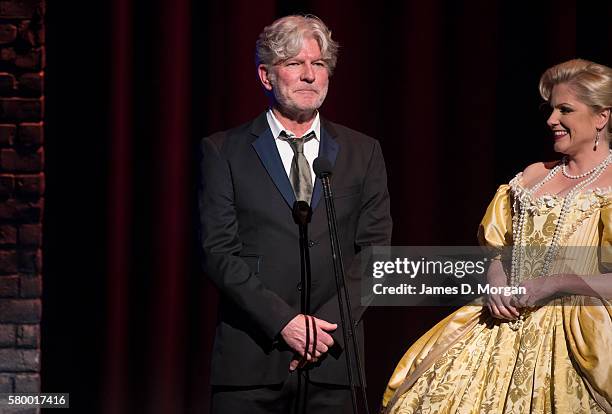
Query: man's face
[(299, 84)]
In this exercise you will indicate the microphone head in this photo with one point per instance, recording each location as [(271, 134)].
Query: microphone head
[(302, 213), (322, 167)]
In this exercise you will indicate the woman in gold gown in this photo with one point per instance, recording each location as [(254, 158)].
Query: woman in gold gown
[(517, 355)]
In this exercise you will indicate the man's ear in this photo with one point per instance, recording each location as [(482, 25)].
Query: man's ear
[(264, 78)]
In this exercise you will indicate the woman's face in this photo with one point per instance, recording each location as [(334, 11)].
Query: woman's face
[(573, 123)]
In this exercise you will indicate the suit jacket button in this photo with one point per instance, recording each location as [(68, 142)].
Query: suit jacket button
[(299, 286), (312, 243)]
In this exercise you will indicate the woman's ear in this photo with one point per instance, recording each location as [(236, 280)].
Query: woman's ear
[(603, 117)]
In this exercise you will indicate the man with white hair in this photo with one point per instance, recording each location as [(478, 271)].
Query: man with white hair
[(251, 177)]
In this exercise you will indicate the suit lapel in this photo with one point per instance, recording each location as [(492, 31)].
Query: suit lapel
[(328, 148), (267, 151)]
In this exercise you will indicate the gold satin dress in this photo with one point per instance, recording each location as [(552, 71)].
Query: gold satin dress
[(558, 361)]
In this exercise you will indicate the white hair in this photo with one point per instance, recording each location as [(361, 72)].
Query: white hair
[(284, 39)]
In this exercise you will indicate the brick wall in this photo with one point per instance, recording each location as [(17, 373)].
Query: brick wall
[(21, 192)]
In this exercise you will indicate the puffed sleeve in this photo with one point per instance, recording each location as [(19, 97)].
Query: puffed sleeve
[(495, 229), (605, 223)]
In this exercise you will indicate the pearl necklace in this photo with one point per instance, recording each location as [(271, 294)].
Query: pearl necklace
[(519, 225), (584, 174)]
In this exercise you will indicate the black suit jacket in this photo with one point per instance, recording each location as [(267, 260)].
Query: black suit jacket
[(251, 249)]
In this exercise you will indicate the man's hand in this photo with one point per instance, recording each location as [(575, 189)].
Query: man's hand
[(294, 334)]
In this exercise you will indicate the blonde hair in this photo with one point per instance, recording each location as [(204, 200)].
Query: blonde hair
[(284, 39), (591, 82)]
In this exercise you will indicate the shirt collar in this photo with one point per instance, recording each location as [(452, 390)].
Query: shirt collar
[(276, 127)]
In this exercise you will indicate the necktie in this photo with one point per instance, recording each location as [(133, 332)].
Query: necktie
[(300, 177)]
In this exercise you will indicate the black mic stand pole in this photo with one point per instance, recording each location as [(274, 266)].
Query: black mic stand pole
[(341, 289), (302, 214)]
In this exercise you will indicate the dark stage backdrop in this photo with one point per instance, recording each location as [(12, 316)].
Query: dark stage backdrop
[(449, 88)]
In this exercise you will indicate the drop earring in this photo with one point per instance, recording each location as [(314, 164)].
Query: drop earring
[(596, 140)]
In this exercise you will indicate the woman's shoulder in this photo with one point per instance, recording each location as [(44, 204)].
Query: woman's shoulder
[(535, 172)]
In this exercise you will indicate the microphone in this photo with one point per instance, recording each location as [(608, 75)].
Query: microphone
[(302, 213), (322, 167), (323, 170)]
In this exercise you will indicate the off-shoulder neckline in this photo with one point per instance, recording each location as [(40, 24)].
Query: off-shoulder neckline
[(517, 186)]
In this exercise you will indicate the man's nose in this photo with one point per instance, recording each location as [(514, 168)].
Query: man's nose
[(308, 73)]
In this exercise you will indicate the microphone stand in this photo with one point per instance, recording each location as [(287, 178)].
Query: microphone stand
[(302, 214), (347, 331)]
